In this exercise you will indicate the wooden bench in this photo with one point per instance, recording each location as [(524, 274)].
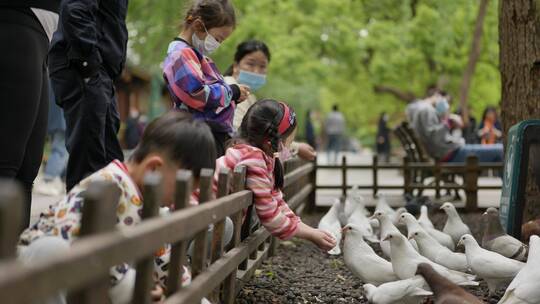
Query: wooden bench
[(218, 272)]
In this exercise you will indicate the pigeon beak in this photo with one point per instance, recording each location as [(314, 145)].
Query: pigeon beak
[(386, 238), (441, 208), (410, 237), (344, 230), (372, 217), (460, 244)]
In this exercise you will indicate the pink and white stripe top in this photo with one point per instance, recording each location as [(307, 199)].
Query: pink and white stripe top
[(273, 212)]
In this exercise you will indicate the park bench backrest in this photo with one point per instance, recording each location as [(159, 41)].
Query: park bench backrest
[(83, 271)]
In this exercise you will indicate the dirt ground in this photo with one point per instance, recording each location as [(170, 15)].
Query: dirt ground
[(301, 273)]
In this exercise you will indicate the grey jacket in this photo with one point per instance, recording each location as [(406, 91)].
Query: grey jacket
[(433, 133)]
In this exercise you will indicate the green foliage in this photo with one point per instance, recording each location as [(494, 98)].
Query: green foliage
[(336, 51)]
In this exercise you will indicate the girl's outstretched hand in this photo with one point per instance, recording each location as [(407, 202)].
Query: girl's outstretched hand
[(323, 239)]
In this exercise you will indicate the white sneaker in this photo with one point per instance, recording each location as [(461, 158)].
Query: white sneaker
[(52, 188)]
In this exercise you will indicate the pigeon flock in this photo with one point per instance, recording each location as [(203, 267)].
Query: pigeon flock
[(423, 262)]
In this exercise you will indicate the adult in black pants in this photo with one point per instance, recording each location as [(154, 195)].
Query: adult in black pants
[(25, 26), (88, 52)]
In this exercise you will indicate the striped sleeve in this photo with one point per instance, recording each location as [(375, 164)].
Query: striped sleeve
[(271, 209), (187, 82)]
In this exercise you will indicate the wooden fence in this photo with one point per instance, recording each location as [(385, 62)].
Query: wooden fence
[(469, 171), (218, 271)]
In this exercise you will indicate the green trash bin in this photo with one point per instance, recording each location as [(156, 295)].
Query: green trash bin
[(521, 138)]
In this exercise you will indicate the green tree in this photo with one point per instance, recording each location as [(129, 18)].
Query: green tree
[(345, 51)]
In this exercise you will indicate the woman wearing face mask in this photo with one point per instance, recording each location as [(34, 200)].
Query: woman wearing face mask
[(193, 80), (249, 68)]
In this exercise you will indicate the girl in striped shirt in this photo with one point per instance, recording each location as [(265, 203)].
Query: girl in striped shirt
[(268, 128)]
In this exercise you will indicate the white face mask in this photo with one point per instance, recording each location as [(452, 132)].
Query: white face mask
[(206, 46)]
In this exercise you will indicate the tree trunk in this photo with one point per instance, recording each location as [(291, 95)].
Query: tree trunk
[(473, 59), (519, 30)]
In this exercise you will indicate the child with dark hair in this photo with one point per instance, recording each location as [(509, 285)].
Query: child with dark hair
[(267, 128), (172, 142), (194, 82)]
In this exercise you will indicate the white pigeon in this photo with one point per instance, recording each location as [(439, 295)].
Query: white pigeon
[(441, 237), (405, 262), (382, 205), (408, 291), (525, 288), (431, 249), (362, 261), (454, 225), (359, 219), (357, 199), (496, 269), (497, 240), (423, 219), (395, 219), (330, 223), (387, 227)]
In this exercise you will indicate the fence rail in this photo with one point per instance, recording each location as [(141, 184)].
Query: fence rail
[(470, 171), (218, 272)]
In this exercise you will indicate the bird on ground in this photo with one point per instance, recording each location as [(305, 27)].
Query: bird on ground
[(454, 225), (496, 269), (437, 253), (359, 219), (423, 219), (525, 288), (395, 219), (387, 227), (382, 205), (362, 261), (405, 261), (496, 239), (441, 237), (330, 223), (445, 292), (408, 291)]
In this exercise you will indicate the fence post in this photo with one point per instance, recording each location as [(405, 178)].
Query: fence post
[(471, 183), (375, 175), (219, 227), (178, 251), (11, 213), (406, 176), (344, 176), (98, 215), (312, 199), (437, 174), (144, 281), (200, 244), (229, 286)]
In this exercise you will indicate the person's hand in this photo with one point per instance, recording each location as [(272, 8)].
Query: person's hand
[(323, 239), (157, 294), (245, 91), (306, 152)]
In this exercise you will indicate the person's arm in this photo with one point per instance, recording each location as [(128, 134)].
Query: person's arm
[(186, 80), (78, 19)]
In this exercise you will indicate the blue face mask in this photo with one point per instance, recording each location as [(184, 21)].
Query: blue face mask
[(253, 80), (442, 106)]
